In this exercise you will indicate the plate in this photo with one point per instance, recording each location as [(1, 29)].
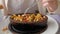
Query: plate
[(52, 26)]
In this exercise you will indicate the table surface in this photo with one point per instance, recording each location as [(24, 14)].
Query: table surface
[(57, 18)]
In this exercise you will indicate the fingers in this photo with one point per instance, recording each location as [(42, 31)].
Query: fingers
[(52, 5)]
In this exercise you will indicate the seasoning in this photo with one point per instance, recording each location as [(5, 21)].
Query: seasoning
[(1, 7), (5, 29)]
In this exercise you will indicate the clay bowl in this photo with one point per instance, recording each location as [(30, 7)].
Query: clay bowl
[(25, 28)]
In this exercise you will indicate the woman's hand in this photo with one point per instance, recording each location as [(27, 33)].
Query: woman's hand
[(51, 5)]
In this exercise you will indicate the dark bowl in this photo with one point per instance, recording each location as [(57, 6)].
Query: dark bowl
[(31, 28)]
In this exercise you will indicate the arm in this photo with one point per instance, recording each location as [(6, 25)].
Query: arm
[(5, 7)]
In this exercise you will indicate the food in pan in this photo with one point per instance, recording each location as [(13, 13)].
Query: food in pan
[(29, 18)]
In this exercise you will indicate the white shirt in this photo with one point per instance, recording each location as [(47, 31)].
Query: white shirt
[(19, 6)]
